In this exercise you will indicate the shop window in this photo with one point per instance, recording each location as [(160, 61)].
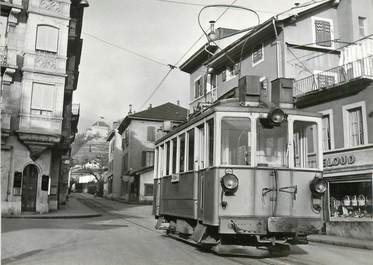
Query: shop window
[(271, 149), (355, 124), (351, 201), (148, 189), (44, 183), (182, 152), (258, 54), (305, 144), (17, 183), (42, 99), (47, 38), (323, 32), (151, 133), (235, 141), (190, 149)]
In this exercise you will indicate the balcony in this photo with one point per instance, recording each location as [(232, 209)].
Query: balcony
[(44, 62), (59, 8), (75, 111), (359, 69)]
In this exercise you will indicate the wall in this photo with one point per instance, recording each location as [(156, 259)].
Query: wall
[(146, 178)]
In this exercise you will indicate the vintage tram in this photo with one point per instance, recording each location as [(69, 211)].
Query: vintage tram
[(241, 178)]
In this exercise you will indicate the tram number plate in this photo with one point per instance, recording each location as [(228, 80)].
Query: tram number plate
[(282, 224)]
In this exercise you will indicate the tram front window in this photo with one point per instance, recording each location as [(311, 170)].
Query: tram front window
[(305, 144), (271, 148), (235, 141)]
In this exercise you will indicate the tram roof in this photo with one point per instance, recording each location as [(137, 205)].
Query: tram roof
[(232, 105)]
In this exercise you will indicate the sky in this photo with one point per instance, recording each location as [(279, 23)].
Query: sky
[(111, 78)]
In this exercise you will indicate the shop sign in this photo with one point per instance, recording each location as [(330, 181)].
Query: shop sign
[(342, 160)]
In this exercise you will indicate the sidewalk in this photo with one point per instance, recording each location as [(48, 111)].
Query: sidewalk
[(341, 241), (72, 209)]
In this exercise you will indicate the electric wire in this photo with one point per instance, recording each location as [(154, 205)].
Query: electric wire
[(127, 50), (181, 58)]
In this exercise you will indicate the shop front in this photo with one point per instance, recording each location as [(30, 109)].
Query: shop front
[(348, 202)]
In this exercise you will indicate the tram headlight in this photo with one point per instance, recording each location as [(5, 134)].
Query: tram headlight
[(318, 186), (229, 183), (276, 116)]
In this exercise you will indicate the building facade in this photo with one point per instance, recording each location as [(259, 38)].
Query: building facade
[(326, 49), (131, 151), (40, 55)]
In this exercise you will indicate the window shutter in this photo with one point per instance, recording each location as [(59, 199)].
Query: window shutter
[(47, 38), (323, 33), (151, 133), (204, 85), (143, 158), (258, 53), (42, 96)]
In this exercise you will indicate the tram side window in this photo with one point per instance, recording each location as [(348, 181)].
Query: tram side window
[(272, 145), (305, 144), (182, 152), (191, 149), (201, 146), (235, 141), (174, 148), (168, 158), (210, 141)]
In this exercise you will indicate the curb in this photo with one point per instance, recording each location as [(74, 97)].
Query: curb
[(344, 242), (52, 216)]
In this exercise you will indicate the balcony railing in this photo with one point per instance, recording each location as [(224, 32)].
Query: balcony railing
[(335, 76)]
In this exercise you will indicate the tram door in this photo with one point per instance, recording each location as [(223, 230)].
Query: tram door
[(29, 188)]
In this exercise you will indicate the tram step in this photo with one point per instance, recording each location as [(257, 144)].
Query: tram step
[(160, 225)]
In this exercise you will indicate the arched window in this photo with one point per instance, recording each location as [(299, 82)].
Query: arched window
[(47, 38)]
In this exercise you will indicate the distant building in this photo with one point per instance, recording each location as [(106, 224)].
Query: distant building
[(325, 50), (40, 49), (98, 129), (131, 151)]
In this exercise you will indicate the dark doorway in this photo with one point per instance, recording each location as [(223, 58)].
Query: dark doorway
[(29, 188)]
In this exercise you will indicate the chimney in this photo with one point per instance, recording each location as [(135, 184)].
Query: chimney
[(282, 92), (249, 90), (150, 106), (178, 102), (130, 109)]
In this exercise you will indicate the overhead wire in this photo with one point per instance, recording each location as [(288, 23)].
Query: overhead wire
[(128, 50), (181, 58)]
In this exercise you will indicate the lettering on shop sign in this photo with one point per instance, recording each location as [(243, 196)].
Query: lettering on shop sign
[(339, 161)]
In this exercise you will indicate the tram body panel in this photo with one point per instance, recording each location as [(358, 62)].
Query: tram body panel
[(179, 198), (210, 196)]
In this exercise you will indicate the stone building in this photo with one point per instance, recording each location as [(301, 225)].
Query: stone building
[(131, 151), (325, 48), (40, 54)]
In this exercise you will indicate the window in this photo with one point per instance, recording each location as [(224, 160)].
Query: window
[(258, 54), (201, 146), (210, 142), (271, 149), (213, 82), (199, 86), (323, 32), (174, 150), (224, 75), (182, 152), (326, 137), (47, 38), (190, 149), (148, 189), (362, 26), (17, 183), (351, 200), (235, 141), (42, 99), (151, 133), (230, 72), (168, 151), (355, 124), (125, 163), (147, 158), (125, 139), (305, 144)]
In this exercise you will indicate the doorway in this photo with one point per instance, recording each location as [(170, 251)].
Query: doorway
[(29, 188)]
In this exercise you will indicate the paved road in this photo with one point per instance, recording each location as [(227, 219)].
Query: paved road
[(124, 235)]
